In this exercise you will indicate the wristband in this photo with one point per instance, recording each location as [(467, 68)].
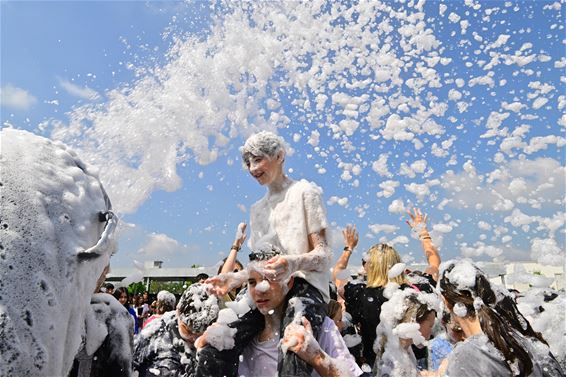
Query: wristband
[(235, 247), (426, 238), (347, 248)]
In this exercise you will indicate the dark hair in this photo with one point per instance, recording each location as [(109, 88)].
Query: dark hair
[(118, 292), (197, 308), (265, 252), (500, 320), (108, 285), (237, 262), (202, 275)]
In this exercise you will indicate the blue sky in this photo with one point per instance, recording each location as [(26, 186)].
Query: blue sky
[(456, 107)]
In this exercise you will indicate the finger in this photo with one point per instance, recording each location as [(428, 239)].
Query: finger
[(307, 324)]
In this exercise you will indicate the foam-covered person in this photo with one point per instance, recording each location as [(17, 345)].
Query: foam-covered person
[(499, 341), (407, 318), (165, 303), (165, 347), (327, 353), (56, 239), (108, 341), (290, 217)]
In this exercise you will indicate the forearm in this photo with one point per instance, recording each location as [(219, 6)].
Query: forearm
[(326, 366), (342, 262), (317, 259), (230, 262), (431, 253)]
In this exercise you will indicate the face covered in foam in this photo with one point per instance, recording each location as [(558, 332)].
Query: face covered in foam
[(56, 238), (268, 295)]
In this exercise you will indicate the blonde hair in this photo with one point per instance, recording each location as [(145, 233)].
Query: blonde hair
[(381, 258)]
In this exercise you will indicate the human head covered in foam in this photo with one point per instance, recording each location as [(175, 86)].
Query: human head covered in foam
[(55, 242)]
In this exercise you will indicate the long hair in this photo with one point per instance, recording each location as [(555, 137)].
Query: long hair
[(500, 320), (381, 258)]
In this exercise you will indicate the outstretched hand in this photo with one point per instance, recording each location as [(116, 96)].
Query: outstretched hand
[(350, 237), (221, 284)]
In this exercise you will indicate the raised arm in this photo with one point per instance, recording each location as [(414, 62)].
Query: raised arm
[(417, 222), (350, 242), (230, 262)]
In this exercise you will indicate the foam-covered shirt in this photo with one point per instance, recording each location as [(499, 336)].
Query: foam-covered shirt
[(477, 356), (259, 359), (285, 219)]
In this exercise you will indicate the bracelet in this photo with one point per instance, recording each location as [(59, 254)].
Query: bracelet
[(426, 238), (347, 248), (235, 247)]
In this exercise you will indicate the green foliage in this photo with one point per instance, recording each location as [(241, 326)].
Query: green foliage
[(136, 288), (175, 287)]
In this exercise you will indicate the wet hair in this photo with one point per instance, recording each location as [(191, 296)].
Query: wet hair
[(381, 258), (197, 308), (262, 144), (499, 317), (332, 308), (264, 252), (165, 302), (417, 306)]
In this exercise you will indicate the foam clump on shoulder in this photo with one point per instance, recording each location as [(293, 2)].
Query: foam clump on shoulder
[(50, 209)]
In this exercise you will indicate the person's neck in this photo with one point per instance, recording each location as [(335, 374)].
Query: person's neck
[(469, 326), (279, 184), (272, 325)]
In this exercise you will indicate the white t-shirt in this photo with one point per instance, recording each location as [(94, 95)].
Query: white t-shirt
[(285, 219), (259, 359)]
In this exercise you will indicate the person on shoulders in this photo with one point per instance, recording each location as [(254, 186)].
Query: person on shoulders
[(290, 217)]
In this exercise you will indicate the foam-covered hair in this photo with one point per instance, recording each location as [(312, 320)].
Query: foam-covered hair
[(55, 242), (263, 144), (167, 297), (197, 308)]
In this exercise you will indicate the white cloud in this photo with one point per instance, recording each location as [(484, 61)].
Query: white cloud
[(78, 91), (161, 244), (16, 98), (382, 228)]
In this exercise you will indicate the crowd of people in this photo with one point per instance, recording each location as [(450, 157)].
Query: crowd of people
[(289, 312)]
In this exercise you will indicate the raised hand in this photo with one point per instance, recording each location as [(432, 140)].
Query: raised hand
[(417, 219), (350, 237), (240, 236)]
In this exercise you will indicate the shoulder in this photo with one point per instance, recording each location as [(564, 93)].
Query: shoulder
[(354, 290), (306, 187)]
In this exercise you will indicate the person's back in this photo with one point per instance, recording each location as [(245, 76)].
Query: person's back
[(159, 348), (112, 355)]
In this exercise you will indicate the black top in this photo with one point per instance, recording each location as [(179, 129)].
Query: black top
[(364, 304)]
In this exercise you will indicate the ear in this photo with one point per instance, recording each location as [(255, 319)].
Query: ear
[(291, 282)]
